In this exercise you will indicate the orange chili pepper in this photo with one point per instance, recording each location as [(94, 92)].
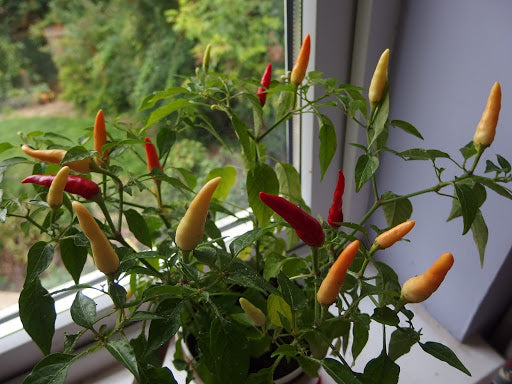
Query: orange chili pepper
[(331, 284), (419, 288), (486, 128), (391, 236), (100, 136), (55, 156), (301, 64)]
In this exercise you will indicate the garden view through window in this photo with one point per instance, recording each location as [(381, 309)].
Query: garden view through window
[(64, 61)]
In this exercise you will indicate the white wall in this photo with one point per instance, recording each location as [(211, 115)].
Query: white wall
[(446, 57)]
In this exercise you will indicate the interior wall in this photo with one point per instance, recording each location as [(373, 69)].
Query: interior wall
[(447, 56)]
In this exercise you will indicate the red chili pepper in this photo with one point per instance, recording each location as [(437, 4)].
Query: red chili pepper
[(77, 185), (265, 83), (152, 157), (306, 226), (336, 212)]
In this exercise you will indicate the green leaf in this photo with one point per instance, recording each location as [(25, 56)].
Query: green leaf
[(174, 291), (292, 294), (73, 257), (480, 235), (285, 350), (340, 373), (443, 353), (423, 154), (396, 212), (468, 204), (228, 174), (83, 311), (277, 305), (407, 127), (285, 103), (76, 153), (165, 139), (491, 184), (468, 150), (159, 113), (5, 146), (37, 314), (328, 143), (52, 369), (491, 167), (289, 183), (123, 352), (159, 375), (162, 330), (261, 178), (242, 133), (365, 169), (247, 239), (505, 165), (40, 256), (360, 333), (381, 370), (189, 178), (230, 352), (150, 101), (385, 315), (117, 294), (380, 119), (243, 274), (401, 341), (13, 161), (138, 226)]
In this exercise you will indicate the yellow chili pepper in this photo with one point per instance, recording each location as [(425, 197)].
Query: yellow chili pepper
[(419, 288), (104, 256), (55, 156), (190, 230), (301, 64), (486, 128), (331, 284), (379, 79), (391, 236), (56, 191), (255, 314)]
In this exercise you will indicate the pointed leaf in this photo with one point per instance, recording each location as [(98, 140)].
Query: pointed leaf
[(340, 373), (365, 169), (443, 353), (360, 333), (83, 311), (138, 226), (505, 165), (277, 306), (52, 369), (407, 127), (247, 239), (401, 341), (228, 174), (396, 212), (491, 184), (480, 235), (37, 314), (123, 352), (468, 203), (292, 294), (73, 257), (165, 139), (468, 150), (381, 370), (289, 183), (261, 178), (166, 110), (40, 256), (328, 143), (423, 154)]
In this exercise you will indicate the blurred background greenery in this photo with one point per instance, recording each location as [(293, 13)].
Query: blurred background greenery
[(62, 61)]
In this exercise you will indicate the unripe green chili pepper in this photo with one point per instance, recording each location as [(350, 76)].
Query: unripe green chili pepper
[(379, 79), (206, 58), (104, 256), (99, 136), (261, 93), (486, 129), (190, 230), (152, 159), (419, 288), (306, 226), (77, 185), (391, 236), (331, 284), (335, 212), (55, 156), (255, 314), (302, 61), (56, 192)]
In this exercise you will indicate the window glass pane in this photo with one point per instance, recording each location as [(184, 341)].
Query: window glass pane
[(63, 61)]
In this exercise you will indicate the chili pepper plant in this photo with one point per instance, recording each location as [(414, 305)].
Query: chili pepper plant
[(243, 308)]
